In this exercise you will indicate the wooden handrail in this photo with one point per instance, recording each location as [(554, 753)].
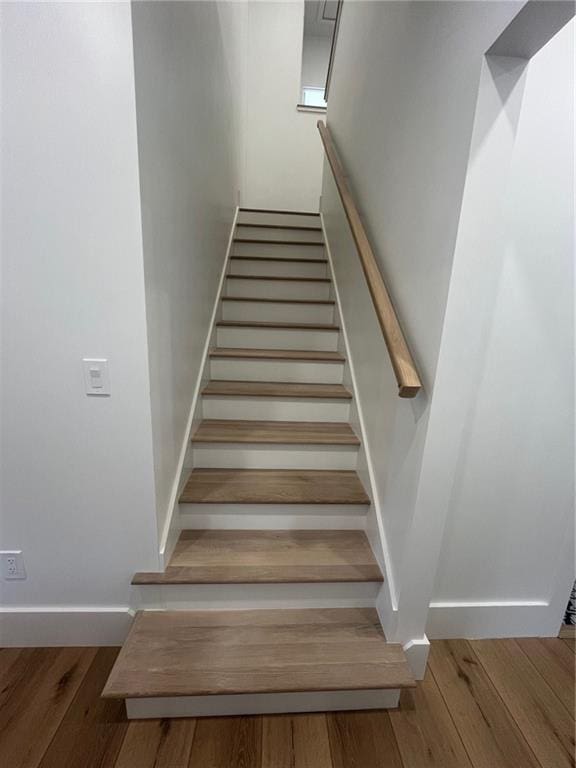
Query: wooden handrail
[(409, 383)]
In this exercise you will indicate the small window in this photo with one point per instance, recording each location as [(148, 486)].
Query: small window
[(320, 29), (313, 97)]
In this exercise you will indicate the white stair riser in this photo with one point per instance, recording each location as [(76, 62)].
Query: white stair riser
[(262, 456), (260, 703), (246, 597), (278, 268), (277, 338), (278, 313), (277, 289), (275, 408), (251, 217), (231, 369), (279, 250), (280, 233), (252, 521)]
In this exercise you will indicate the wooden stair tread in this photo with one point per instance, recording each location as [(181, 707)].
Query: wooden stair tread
[(276, 389), (279, 226), (280, 326), (277, 241), (276, 432), (241, 556), (199, 653), (277, 279), (273, 486), (274, 210), (279, 258), (302, 355), (260, 300)]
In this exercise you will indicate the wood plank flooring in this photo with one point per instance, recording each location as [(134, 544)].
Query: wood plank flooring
[(475, 709), (252, 556)]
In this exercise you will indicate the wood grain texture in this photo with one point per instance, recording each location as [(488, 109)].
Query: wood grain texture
[(36, 686), (227, 742), (301, 355), (259, 300), (278, 326), (222, 388), (570, 643), (556, 664), (311, 228), (279, 258), (92, 732), (277, 241), (157, 744), (425, 732), (545, 723), (274, 210), (275, 432), (362, 740), (195, 653), (276, 279), (298, 741), (409, 383), (217, 556), (273, 486), (488, 731), (295, 741)]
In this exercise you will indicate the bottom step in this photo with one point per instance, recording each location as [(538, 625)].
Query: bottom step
[(203, 655)]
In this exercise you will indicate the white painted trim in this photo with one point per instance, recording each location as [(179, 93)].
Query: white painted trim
[(491, 619), (260, 703), (55, 625), (417, 651), (383, 557), (171, 528), (275, 521)]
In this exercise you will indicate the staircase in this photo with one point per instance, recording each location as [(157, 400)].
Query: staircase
[(267, 602)]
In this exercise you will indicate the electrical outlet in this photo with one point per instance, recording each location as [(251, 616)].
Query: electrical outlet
[(12, 565)]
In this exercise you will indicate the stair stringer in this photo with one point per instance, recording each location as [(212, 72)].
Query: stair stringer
[(172, 526), (387, 600)]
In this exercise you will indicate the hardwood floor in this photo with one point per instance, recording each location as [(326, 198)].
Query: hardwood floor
[(483, 704)]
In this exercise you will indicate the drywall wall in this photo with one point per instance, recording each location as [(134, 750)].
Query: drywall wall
[(76, 484), (283, 155), (187, 145), (510, 326), (401, 112), (315, 57)]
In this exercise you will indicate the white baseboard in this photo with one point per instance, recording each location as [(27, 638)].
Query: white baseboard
[(171, 528), (26, 626), (417, 654), (476, 620), (260, 703)]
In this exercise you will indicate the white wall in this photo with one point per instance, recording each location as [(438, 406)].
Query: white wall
[(187, 140), (76, 472), (509, 324), (283, 160), (315, 57), (401, 111)]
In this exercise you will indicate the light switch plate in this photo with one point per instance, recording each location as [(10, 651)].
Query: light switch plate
[(96, 376)]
